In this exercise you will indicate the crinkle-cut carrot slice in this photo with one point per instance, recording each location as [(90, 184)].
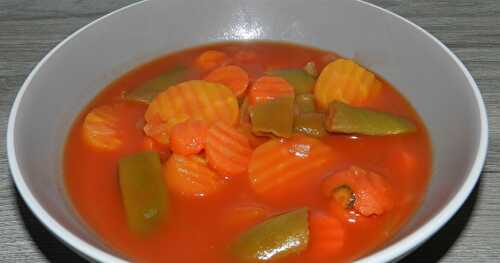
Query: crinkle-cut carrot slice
[(211, 59), (244, 215), (231, 76), (268, 88), (372, 193), (346, 81), (279, 167), (228, 151), (194, 99), (160, 131), (188, 137), (101, 128), (326, 237), (190, 176)]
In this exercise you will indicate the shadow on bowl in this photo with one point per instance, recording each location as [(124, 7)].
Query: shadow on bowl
[(431, 251)]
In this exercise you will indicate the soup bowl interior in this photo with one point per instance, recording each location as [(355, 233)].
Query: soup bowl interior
[(425, 71)]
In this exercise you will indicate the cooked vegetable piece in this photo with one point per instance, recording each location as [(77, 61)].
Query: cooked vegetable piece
[(188, 137), (372, 192), (244, 215), (211, 59), (343, 118), (311, 124), (326, 237), (344, 195), (149, 89), (279, 168), (151, 145), (344, 80), (273, 116), (101, 128), (160, 131), (190, 176), (302, 82), (253, 139), (196, 100), (143, 190), (232, 77), (275, 238), (269, 88), (228, 151), (305, 103), (311, 69)]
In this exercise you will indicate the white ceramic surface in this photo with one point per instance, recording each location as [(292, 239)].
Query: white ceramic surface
[(434, 80)]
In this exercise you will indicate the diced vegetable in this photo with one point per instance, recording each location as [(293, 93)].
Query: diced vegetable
[(101, 128), (232, 77), (343, 118), (344, 80), (326, 237), (228, 151), (311, 69), (302, 82), (305, 103), (143, 190), (277, 169), (372, 193), (147, 91), (245, 215), (188, 137), (275, 238), (311, 124), (273, 116), (269, 88), (211, 59), (190, 176)]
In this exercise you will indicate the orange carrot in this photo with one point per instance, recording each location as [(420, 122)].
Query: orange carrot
[(278, 168), (253, 140), (326, 237), (188, 137), (101, 128), (233, 77), (228, 151), (372, 193), (268, 88), (190, 176), (211, 59), (244, 215)]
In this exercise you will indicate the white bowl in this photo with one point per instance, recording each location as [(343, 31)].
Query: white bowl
[(421, 67)]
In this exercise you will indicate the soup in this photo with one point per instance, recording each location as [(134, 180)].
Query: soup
[(247, 152)]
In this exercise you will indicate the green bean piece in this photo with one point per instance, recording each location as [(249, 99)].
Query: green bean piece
[(143, 190), (343, 118), (305, 103), (311, 124), (148, 91), (274, 238), (273, 116), (298, 78)]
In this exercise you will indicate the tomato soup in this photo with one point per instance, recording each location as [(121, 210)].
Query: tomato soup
[(247, 152)]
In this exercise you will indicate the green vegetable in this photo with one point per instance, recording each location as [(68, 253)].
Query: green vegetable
[(311, 124), (343, 118), (274, 116), (275, 238), (147, 91), (143, 190), (298, 78), (305, 103)]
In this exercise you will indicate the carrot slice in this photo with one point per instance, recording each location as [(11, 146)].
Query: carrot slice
[(228, 151), (279, 168), (190, 176), (101, 128), (346, 81), (326, 237), (372, 192), (233, 77), (253, 140), (244, 215), (211, 59), (268, 88), (188, 137)]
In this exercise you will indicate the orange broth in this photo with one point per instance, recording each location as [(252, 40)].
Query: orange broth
[(196, 230)]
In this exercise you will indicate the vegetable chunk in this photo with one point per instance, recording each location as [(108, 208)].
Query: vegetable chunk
[(311, 124), (326, 237), (147, 91), (101, 128), (269, 88), (302, 82), (188, 137), (211, 59), (273, 116), (232, 77)]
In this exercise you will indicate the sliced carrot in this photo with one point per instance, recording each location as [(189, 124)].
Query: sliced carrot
[(211, 59), (279, 168), (268, 88), (228, 151), (253, 140), (326, 237), (372, 192), (190, 176), (231, 76), (160, 131), (188, 137), (244, 215), (346, 81), (101, 128)]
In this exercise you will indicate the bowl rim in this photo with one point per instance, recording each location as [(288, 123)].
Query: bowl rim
[(391, 252)]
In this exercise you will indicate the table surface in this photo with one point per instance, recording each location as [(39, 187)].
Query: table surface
[(29, 29)]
